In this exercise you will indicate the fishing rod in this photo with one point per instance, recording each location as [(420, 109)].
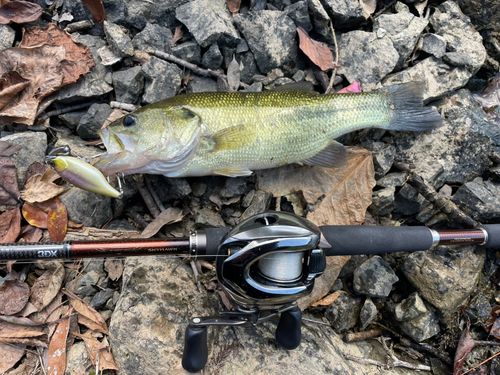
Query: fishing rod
[(264, 264)]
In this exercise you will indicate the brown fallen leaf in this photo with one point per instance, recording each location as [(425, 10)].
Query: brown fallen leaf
[(94, 347), (47, 57), (86, 314), (57, 221), (9, 190), (9, 149), (234, 6), (57, 348), (178, 34), (9, 356), (113, 116), (169, 216), (11, 83), (33, 169), (47, 286), (318, 52), (31, 234), (19, 12), (465, 346), (96, 9), (14, 295), (328, 300), (10, 226), (34, 215), (40, 189), (114, 267)]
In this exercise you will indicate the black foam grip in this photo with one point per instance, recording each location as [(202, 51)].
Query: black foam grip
[(33, 251), (214, 238), (288, 333), (195, 353), (493, 235), (364, 239)]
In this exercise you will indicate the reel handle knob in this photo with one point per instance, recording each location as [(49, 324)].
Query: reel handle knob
[(195, 353), (288, 333)]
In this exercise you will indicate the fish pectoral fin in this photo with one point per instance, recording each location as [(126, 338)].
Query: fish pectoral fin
[(232, 138), (332, 156), (233, 172)]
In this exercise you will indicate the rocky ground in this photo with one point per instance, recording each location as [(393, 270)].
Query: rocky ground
[(424, 298)]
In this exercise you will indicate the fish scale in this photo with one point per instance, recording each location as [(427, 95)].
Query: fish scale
[(233, 134)]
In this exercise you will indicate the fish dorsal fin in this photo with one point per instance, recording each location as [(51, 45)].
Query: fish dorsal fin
[(232, 138), (332, 156), (233, 172), (296, 86)]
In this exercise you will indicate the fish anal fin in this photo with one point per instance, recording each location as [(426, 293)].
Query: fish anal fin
[(332, 156), (232, 138), (233, 172)]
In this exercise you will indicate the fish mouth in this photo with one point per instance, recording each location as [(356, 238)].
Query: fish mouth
[(111, 141)]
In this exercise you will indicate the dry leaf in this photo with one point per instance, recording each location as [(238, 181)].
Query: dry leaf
[(9, 190), (177, 35), (465, 346), (368, 6), (233, 75), (328, 300), (113, 116), (57, 221), (234, 6), (47, 286), (33, 169), (318, 52), (9, 149), (49, 58), (354, 87), (169, 216), (96, 9), (34, 215), (94, 347), (10, 226), (14, 295), (89, 315), (11, 83), (114, 267), (9, 356), (19, 12), (40, 190), (31, 234), (57, 348)]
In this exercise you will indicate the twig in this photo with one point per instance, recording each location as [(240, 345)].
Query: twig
[(376, 15), (207, 265), (365, 335), (154, 194), (125, 106), (137, 218), (445, 205), (79, 26), (332, 78), (482, 363), (61, 111), (195, 272), (148, 199), (427, 348)]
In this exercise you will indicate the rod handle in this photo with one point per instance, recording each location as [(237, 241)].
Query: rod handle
[(195, 353), (288, 333), (493, 235)]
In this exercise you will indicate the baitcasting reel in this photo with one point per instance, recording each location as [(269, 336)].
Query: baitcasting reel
[(264, 265)]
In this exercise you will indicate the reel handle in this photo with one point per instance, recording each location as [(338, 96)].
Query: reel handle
[(195, 354), (288, 333)]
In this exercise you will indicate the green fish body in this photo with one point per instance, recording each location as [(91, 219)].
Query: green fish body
[(232, 134)]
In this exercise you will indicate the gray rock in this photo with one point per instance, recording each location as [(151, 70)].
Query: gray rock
[(368, 314), (96, 83), (409, 201), (320, 19), (71, 119), (250, 68), (96, 265), (280, 4), (365, 58), (351, 265), (383, 156), (172, 188), (209, 21), (77, 358), (153, 36), (7, 36), (382, 202), (257, 87), (34, 148), (101, 297), (345, 13), (394, 179), (233, 187), (129, 84), (242, 46), (162, 80), (209, 218), (212, 59), (189, 51), (299, 13), (119, 42), (460, 146), (478, 309), (421, 328), (344, 312), (479, 199), (260, 203), (404, 30), (86, 284), (93, 120), (374, 278), (444, 277), (199, 189), (201, 84), (410, 308), (271, 38), (162, 292), (433, 172), (434, 45), (94, 213)]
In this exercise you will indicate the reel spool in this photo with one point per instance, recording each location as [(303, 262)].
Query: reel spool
[(264, 265)]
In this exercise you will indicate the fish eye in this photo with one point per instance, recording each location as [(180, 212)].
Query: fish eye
[(129, 121), (50, 162)]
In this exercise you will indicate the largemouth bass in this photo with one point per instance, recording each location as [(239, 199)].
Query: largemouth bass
[(232, 134)]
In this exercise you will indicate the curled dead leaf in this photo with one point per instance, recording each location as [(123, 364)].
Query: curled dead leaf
[(9, 190), (40, 189), (57, 221), (11, 83), (47, 286), (96, 9), (19, 12), (14, 296), (57, 347), (234, 6), (10, 226), (86, 314), (169, 216), (318, 52), (328, 300), (34, 215), (94, 348)]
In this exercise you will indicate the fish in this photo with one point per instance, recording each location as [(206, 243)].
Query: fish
[(81, 174), (234, 134)]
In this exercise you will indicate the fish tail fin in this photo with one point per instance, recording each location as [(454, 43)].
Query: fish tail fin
[(409, 113)]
